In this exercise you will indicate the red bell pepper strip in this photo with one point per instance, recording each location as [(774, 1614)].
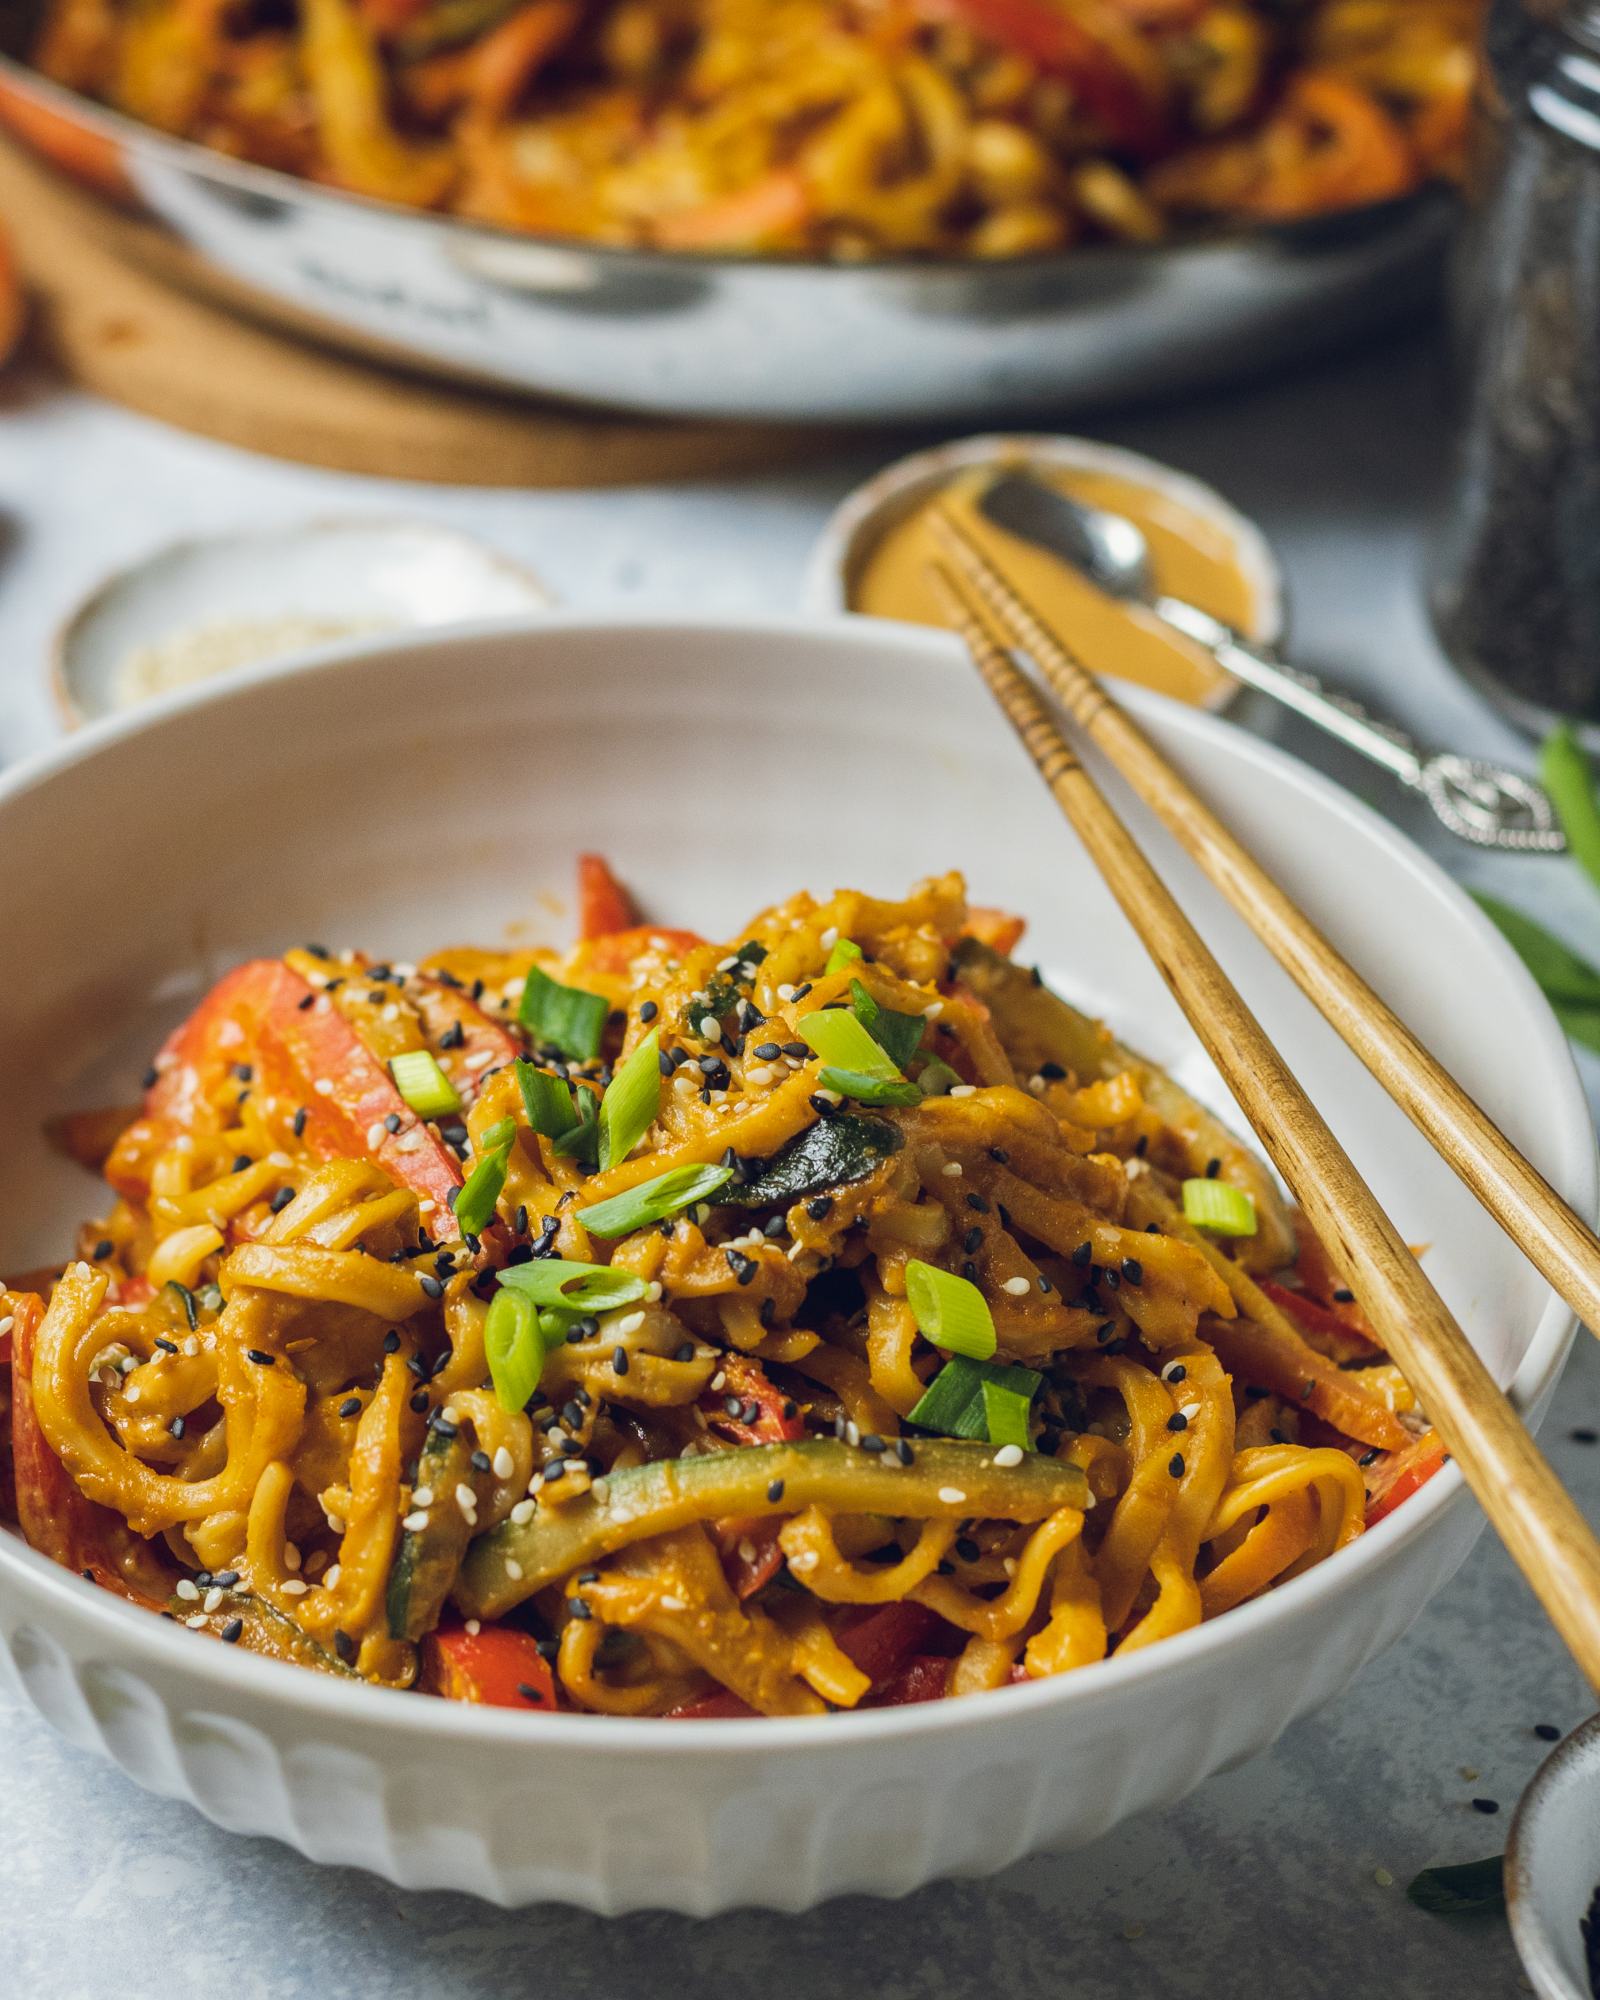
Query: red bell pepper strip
[(612, 956), (604, 905), (258, 1014), (757, 1533), (497, 1666), (722, 1706), (881, 1641), (1403, 1473), (1327, 1330), (55, 1518), (998, 929), (923, 1678), (484, 1045), (1051, 38), (776, 1418)]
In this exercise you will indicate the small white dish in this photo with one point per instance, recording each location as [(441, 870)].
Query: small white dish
[(242, 817), (860, 520), (1552, 1866), (202, 609)]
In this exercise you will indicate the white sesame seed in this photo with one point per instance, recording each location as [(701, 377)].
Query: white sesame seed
[(294, 1587), (829, 938), (806, 1559), (1190, 1410), (1036, 1085), (83, 1270), (513, 1569), (718, 1382), (414, 1523), (951, 1170), (1008, 1454), (504, 1463), (335, 1571), (466, 1499), (630, 1323), (747, 1550), (852, 1433), (963, 1090), (933, 1010), (323, 1086), (212, 1599), (375, 1135), (785, 993), (391, 1012), (601, 1489), (673, 1604), (711, 1027), (473, 1628), (191, 1346), (523, 1512), (291, 1556), (187, 1590), (197, 1623), (727, 964), (684, 1082), (451, 1414), (422, 1496), (480, 1060), (830, 1096), (952, 1496), (1016, 1287), (1166, 1372), (131, 1393), (760, 1076), (652, 1291), (6, 1324)]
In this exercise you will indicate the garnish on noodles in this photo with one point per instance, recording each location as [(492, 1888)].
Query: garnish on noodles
[(829, 1318)]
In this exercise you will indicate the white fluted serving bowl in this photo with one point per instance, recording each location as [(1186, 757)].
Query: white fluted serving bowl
[(409, 793)]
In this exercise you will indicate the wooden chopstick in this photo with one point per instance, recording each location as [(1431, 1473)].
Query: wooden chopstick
[(1550, 1233), (1544, 1531)]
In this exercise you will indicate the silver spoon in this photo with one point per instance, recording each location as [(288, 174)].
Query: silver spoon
[(1481, 802)]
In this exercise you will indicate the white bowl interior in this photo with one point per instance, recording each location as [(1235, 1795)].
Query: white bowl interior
[(436, 791)]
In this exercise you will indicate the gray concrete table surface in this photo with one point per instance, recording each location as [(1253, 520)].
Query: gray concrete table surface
[(1284, 1877)]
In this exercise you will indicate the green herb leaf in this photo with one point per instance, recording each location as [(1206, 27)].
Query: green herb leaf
[(568, 1286), (869, 1089), (563, 1017), (650, 1201), (950, 1312), (1216, 1205), (631, 1102), (953, 1402), (898, 1035), (1569, 779), (514, 1348), (475, 1204), (423, 1085), (1471, 1888), (1568, 982), (826, 1155), (1005, 1415)]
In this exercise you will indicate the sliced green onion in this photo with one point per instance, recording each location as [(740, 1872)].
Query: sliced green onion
[(423, 1085), (845, 952), (631, 1102), (1005, 1415), (514, 1348), (953, 1402), (547, 1100), (651, 1201), (475, 1204), (571, 1287), (936, 1078), (951, 1312), (582, 1142), (869, 1089), (1569, 779), (898, 1035), (1215, 1205), (185, 1299), (563, 1017), (838, 1037)]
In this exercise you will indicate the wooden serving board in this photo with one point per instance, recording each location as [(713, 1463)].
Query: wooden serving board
[(113, 308)]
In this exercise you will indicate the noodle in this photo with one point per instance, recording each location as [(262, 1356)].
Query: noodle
[(749, 1467)]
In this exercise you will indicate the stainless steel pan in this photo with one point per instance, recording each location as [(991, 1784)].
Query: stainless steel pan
[(746, 337)]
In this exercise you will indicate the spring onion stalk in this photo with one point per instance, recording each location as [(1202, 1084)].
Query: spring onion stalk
[(1215, 1205), (566, 1286), (1005, 1415), (936, 1078), (950, 1312), (481, 1189), (855, 1065), (631, 1102), (845, 952), (1569, 779), (869, 1089), (547, 1100), (423, 1085), (898, 1035), (514, 1348), (563, 1017), (953, 1402), (652, 1201)]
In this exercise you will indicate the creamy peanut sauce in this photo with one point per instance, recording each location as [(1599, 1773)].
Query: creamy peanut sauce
[(1192, 556)]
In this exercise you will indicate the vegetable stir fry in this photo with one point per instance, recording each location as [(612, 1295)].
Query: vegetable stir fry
[(839, 128), (829, 1318)]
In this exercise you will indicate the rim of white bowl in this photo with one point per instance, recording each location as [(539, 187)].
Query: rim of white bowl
[(394, 1708)]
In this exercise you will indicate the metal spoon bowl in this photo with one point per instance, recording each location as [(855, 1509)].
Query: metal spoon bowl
[(1480, 802)]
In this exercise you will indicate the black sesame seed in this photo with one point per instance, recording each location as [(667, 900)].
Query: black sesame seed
[(967, 1549), (969, 1271), (1369, 1457), (685, 1352), (802, 990), (344, 1645), (978, 1202), (419, 1402), (1141, 1145), (619, 1360), (1583, 1435), (350, 1407), (648, 1010), (799, 1050), (391, 1122), (768, 1052), (1083, 1256), (1213, 1168), (973, 1240), (1175, 1465), (819, 1207), (775, 1490), (1177, 1421), (391, 1342), (1176, 1373), (281, 1200), (532, 1694), (230, 1632), (1133, 1270), (1000, 1154), (579, 1608), (151, 1077), (872, 1442), (259, 1356), (665, 1062), (1052, 1070), (1547, 1732), (166, 1346), (822, 1106), (298, 1123), (433, 1286), (743, 1268), (480, 1461), (1486, 1805)]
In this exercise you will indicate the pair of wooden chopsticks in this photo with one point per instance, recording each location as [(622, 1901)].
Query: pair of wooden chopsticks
[(1535, 1517)]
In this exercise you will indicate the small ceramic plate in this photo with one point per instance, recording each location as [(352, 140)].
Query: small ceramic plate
[(1553, 1866), (200, 609), (861, 519)]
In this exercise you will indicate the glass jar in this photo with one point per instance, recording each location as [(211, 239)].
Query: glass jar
[(1516, 592)]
